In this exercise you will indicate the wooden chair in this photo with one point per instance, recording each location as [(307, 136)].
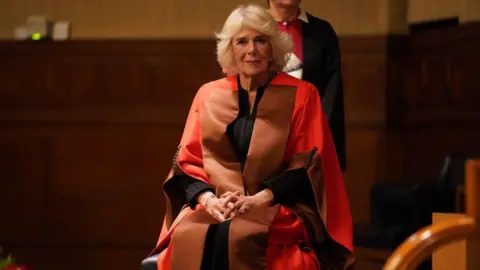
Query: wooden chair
[(421, 245)]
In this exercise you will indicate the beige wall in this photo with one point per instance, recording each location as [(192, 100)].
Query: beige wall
[(354, 17), (469, 10), (201, 18), (169, 18), (421, 10)]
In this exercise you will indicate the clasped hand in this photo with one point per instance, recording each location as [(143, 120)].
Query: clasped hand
[(231, 204)]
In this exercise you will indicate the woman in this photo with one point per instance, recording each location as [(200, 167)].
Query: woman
[(255, 183)]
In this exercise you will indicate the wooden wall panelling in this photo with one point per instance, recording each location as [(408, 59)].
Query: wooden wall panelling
[(441, 115), (364, 65), (107, 182), (24, 172), (441, 76), (88, 133), (89, 129)]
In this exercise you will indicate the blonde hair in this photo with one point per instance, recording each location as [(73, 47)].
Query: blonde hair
[(259, 19)]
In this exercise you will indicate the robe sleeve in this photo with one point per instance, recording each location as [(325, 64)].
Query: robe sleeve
[(312, 184), (187, 178), (289, 187), (191, 188)]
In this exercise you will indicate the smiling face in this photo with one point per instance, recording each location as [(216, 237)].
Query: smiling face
[(252, 51)]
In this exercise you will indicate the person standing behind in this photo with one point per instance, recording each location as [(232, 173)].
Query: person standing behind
[(315, 59)]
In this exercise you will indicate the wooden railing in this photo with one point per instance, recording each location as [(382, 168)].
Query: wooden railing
[(421, 245)]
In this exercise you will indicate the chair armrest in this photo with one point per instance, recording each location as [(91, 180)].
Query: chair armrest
[(421, 244)]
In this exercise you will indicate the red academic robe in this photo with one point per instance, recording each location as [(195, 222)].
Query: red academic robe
[(290, 133)]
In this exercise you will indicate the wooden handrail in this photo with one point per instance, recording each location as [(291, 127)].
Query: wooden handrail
[(420, 245)]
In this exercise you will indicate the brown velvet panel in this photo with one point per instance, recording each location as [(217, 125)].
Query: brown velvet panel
[(219, 158), (330, 254), (173, 207), (188, 241), (248, 238), (315, 215), (270, 134)]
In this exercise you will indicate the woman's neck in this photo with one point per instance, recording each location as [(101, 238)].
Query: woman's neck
[(284, 14), (251, 83)]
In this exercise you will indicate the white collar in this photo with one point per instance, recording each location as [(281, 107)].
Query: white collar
[(303, 16)]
